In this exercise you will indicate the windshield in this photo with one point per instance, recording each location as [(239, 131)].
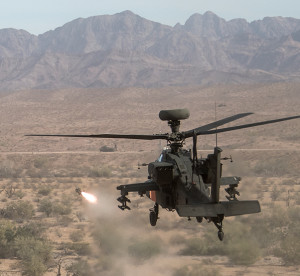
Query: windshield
[(160, 158)]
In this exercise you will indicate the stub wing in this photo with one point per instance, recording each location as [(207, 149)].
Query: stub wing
[(141, 188), (228, 180), (226, 208)]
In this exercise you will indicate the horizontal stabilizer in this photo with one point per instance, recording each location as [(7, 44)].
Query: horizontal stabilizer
[(228, 180), (226, 208)]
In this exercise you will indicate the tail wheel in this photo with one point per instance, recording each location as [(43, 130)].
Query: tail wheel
[(220, 235), (153, 218), (218, 221)]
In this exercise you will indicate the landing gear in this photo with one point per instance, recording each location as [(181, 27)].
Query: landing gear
[(220, 235), (218, 221), (153, 215), (153, 218), (199, 219)]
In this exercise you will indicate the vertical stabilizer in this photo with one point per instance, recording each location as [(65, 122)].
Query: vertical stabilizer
[(215, 162)]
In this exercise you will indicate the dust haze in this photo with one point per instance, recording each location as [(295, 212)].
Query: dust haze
[(41, 174)]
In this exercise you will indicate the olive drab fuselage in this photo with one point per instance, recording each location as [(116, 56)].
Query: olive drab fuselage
[(178, 184)]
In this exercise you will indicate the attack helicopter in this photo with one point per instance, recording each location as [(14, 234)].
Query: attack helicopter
[(179, 180)]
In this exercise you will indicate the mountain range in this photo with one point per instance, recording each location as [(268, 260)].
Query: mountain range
[(126, 50)]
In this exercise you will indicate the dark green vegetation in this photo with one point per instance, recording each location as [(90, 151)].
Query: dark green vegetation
[(27, 243), (92, 247), (107, 149), (275, 232), (196, 270), (18, 210)]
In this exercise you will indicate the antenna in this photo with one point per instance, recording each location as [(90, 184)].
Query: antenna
[(216, 120)]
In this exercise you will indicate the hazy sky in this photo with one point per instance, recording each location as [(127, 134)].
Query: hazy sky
[(39, 16)]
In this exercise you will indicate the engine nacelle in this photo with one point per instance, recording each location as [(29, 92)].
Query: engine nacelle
[(161, 173)]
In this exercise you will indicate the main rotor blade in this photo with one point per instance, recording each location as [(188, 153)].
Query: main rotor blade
[(121, 136), (246, 125), (215, 124)]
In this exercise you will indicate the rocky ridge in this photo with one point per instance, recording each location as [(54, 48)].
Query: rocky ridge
[(125, 49)]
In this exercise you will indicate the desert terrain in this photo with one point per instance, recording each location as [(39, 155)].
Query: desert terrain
[(48, 229)]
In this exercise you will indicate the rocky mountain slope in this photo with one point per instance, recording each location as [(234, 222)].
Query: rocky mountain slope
[(127, 50)]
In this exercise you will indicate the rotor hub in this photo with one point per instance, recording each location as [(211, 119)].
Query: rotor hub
[(173, 116), (174, 125)]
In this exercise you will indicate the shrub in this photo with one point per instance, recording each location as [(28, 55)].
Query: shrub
[(31, 229), (34, 266), (40, 162), (81, 248), (25, 243), (243, 252), (46, 206), (61, 209), (275, 193), (34, 253), (77, 236), (54, 208), (19, 210), (10, 191), (294, 214), (196, 270), (100, 172), (278, 217), (80, 268), (261, 230), (208, 245), (7, 234), (193, 247), (108, 238), (289, 250), (145, 249), (177, 239), (64, 221), (44, 191), (239, 244), (106, 149), (10, 172), (297, 198), (19, 194)]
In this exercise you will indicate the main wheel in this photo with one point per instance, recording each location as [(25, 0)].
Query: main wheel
[(220, 235), (153, 218)]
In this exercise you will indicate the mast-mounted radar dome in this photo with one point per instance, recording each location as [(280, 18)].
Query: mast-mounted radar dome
[(174, 114)]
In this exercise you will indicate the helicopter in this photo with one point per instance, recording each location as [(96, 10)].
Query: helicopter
[(180, 181)]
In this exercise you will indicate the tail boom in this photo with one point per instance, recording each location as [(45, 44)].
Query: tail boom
[(225, 208)]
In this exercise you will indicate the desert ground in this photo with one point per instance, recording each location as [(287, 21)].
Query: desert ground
[(48, 229)]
